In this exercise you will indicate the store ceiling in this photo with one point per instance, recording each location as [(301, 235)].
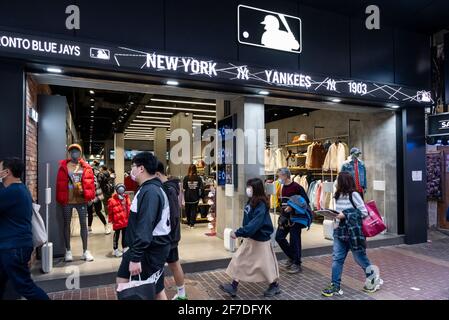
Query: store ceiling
[(427, 16), (99, 113)]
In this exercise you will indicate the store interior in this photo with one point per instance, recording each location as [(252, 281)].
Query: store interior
[(95, 115)]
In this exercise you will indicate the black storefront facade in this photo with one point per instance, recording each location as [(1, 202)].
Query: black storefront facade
[(203, 45)]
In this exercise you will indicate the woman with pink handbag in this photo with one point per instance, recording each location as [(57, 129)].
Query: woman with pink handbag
[(348, 235)]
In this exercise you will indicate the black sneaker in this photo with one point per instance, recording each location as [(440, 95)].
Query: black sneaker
[(286, 263), (272, 290), (294, 268), (229, 288), (331, 291)]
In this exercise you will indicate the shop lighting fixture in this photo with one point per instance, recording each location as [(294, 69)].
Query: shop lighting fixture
[(92, 100), (264, 92), (185, 102), (336, 100), (180, 109), (291, 109), (395, 106), (131, 103), (54, 70), (91, 116), (151, 121), (172, 82), (204, 116), (157, 112), (92, 107), (91, 91), (147, 117)]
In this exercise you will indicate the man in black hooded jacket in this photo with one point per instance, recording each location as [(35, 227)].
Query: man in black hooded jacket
[(172, 189), (148, 231)]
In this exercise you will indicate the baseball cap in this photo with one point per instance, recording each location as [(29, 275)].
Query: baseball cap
[(355, 151), (75, 146)]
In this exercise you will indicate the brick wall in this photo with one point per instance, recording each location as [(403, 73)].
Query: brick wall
[(33, 89)]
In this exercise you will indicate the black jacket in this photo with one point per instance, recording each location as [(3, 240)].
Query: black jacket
[(149, 221), (193, 190), (257, 223), (171, 188)]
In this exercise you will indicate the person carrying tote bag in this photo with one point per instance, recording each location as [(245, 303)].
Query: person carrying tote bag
[(348, 236)]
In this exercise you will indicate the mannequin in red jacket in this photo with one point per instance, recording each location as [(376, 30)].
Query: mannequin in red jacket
[(75, 187), (119, 207)]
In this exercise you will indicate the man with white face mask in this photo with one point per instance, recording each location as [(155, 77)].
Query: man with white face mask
[(16, 238), (148, 231)]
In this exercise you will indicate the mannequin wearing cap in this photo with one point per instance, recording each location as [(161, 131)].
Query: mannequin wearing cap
[(357, 169), (75, 188), (119, 207)]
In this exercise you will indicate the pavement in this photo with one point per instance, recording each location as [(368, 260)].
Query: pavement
[(416, 272)]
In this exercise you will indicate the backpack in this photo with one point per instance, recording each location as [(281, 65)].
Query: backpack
[(174, 212)]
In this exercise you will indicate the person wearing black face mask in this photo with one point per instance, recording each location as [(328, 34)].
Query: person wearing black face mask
[(75, 188), (119, 207)]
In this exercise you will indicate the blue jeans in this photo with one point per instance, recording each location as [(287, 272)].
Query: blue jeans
[(292, 249), (341, 249), (14, 267)]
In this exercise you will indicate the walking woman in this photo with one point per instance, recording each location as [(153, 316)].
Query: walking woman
[(348, 235), (255, 260), (193, 189)]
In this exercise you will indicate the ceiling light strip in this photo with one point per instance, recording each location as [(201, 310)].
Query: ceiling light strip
[(185, 102)]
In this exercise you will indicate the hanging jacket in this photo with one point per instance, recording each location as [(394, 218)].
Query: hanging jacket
[(119, 214), (172, 190), (336, 156), (62, 182)]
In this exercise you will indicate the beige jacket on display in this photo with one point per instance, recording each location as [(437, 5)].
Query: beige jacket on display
[(336, 155)]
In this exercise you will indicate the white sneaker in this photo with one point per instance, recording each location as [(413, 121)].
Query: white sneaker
[(107, 229), (125, 249), (117, 253), (68, 256), (87, 256)]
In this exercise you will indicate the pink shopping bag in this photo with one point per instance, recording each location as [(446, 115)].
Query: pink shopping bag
[(373, 224)]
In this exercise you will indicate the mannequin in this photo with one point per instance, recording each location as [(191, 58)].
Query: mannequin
[(356, 167), (75, 188)]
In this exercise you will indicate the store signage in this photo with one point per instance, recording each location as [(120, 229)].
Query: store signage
[(438, 125), (123, 59), (268, 29)]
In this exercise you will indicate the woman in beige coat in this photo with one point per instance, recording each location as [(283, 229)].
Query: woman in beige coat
[(255, 260)]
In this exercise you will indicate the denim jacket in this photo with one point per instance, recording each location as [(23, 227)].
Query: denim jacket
[(348, 166), (350, 229)]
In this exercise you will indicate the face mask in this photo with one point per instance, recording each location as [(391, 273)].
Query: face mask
[(2, 175), (75, 155), (133, 176), (120, 192), (281, 181), (249, 192)]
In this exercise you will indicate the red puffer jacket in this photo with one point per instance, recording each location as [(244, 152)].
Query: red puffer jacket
[(62, 182), (118, 215)]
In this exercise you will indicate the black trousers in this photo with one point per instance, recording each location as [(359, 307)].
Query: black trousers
[(90, 213), (191, 212), (117, 236)]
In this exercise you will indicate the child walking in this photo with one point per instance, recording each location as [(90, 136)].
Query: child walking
[(119, 207)]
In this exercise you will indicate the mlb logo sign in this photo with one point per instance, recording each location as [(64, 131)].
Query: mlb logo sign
[(269, 29)]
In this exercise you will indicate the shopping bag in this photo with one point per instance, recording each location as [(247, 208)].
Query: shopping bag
[(138, 289), (40, 235), (373, 224)]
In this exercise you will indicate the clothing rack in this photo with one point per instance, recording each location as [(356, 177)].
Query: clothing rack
[(333, 137)]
